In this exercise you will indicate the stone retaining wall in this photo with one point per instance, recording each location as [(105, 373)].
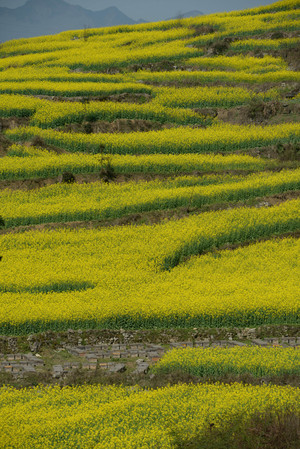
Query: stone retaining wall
[(114, 357)]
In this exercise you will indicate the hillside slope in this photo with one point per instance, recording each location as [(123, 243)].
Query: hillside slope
[(201, 115), (149, 182)]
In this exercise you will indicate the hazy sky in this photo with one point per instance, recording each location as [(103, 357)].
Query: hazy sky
[(157, 9)]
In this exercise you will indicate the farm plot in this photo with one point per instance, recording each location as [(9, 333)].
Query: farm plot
[(258, 361), (189, 130), (113, 417), (135, 277), (217, 138), (97, 201), (22, 162)]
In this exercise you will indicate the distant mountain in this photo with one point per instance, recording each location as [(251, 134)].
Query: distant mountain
[(186, 15), (42, 17)]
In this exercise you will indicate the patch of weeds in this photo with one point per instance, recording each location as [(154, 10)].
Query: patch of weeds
[(259, 110), (87, 128), (107, 171), (200, 30), (288, 151), (267, 430), (220, 47), (67, 178)]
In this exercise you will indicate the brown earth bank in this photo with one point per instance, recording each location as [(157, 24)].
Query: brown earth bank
[(259, 113), (117, 126), (155, 217), (124, 97), (4, 145)]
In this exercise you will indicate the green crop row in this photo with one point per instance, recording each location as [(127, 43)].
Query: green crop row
[(258, 361), (116, 277), (112, 417), (29, 162), (97, 201), (220, 137)]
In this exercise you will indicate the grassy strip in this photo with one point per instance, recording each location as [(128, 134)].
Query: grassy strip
[(240, 232), (264, 44), (196, 97), (28, 163), (47, 114), (58, 114), (184, 78)]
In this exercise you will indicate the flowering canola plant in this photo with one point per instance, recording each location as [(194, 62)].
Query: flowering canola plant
[(220, 137), (258, 361), (111, 417), (96, 201), (141, 276), (22, 162)]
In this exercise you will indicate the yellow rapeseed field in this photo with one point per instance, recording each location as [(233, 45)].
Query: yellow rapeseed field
[(98, 201), (129, 417), (258, 361), (23, 162), (219, 137), (137, 276)]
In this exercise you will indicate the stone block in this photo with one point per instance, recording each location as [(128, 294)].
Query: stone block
[(115, 347), (8, 368), (75, 365), (103, 365), (202, 344), (57, 371), (117, 368), (142, 368), (259, 342), (29, 369), (93, 366), (102, 355), (92, 358), (238, 343)]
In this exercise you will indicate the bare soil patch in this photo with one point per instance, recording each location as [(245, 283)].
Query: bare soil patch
[(117, 126), (292, 57), (83, 178), (260, 113), (4, 145), (124, 97), (13, 122)]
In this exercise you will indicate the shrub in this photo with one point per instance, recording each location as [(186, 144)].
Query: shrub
[(68, 177)]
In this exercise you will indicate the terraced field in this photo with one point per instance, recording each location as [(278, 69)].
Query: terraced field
[(149, 182)]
